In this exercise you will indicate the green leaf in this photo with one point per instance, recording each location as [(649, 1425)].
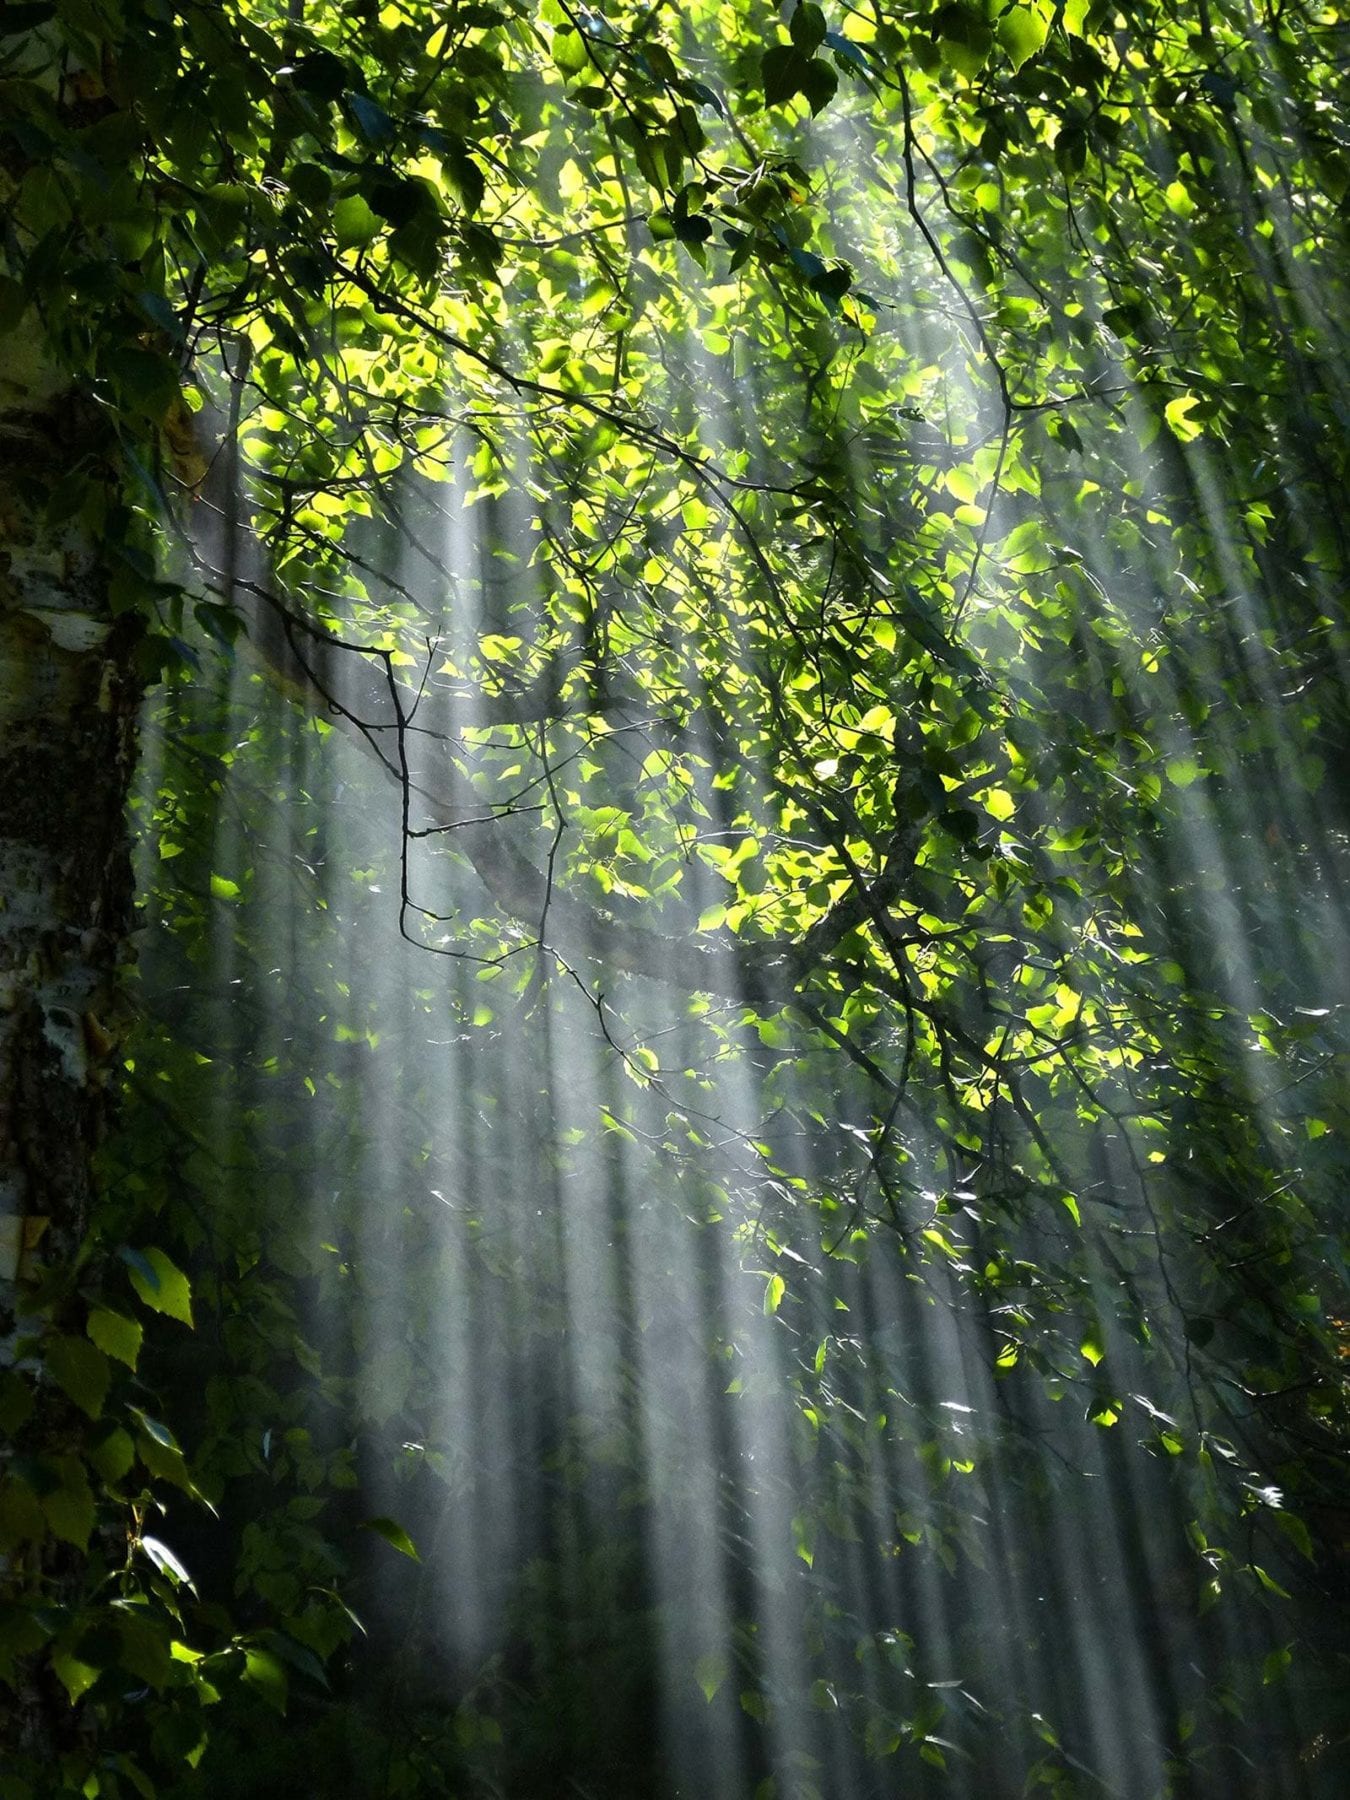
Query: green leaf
[(16, 1403), (154, 1430), (144, 1651), (803, 1539), (832, 285), (1183, 770), (1269, 1582), (75, 1676), (147, 381), (693, 230), (786, 70), (570, 53), (266, 1674), (162, 1285), (113, 1455), (710, 1671), (299, 1656), (354, 223), (807, 26), (179, 1737), (308, 182), (1297, 1533), (773, 1295), (392, 1533), (321, 74), (418, 243), (370, 119), (1022, 31), (21, 1518), (819, 83), (69, 1507), (1177, 414), (162, 1461), (165, 1561), (115, 1335), (464, 176), (81, 1369), (965, 38), (781, 73)]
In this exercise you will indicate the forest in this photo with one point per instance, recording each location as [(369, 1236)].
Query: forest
[(674, 855)]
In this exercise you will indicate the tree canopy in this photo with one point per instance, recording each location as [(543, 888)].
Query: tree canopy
[(742, 832)]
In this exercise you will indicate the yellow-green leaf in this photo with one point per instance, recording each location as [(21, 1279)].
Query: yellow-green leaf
[(265, 1674), (1022, 31), (1176, 413), (393, 1534), (162, 1285), (76, 1677), (710, 1672), (115, 1335)]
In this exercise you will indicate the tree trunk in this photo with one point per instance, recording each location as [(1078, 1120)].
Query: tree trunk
[(68, 707)]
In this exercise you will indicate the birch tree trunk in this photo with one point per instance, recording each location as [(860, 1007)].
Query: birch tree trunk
[(68, 707)]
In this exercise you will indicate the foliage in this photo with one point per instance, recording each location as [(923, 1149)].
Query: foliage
[(833, 526)]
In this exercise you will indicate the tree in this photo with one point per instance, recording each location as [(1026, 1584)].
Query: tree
[(834, 520)]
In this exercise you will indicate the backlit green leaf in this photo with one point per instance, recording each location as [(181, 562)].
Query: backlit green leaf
[(115, 1335), (162, 1286), (393, 1534)]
